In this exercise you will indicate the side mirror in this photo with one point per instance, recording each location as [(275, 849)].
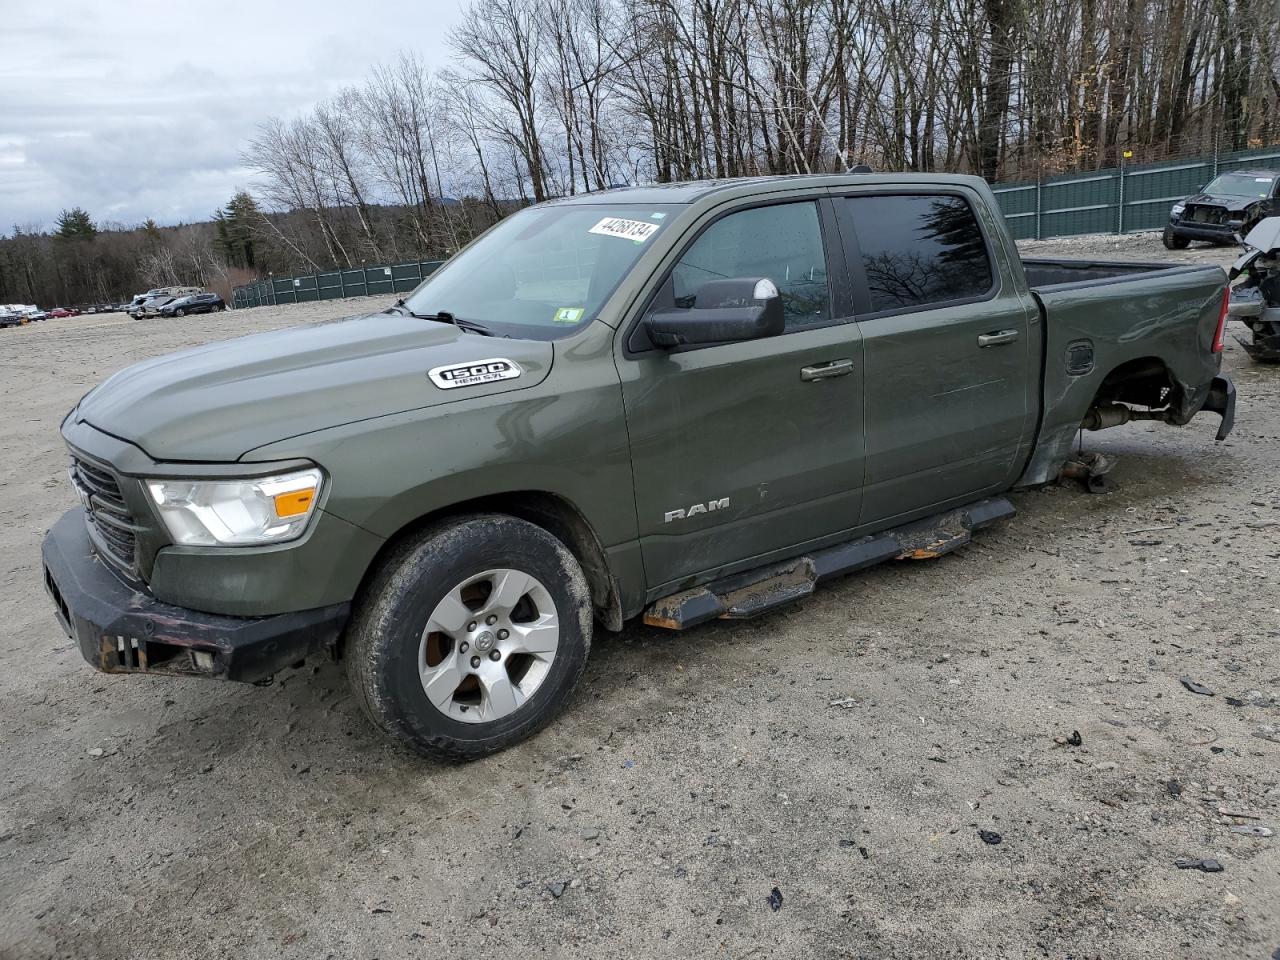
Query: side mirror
[(743, 308)]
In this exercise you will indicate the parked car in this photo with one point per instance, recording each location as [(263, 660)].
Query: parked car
[(57, 313), (149, 303), (1229, 206), (35, 314), (197, 303), (739, 390), (153, 306), (10, 319), (140, 298)]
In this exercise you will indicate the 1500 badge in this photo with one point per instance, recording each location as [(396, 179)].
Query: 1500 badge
[(474, 373)]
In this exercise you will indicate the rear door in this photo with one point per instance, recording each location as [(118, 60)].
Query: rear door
[(950, 380), (743, 449)]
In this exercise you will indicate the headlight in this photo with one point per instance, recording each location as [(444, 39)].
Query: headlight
[(1177, 209), (237, 512)]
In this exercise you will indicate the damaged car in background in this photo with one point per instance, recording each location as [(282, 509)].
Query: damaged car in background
[(1231, 204), (681, 403)]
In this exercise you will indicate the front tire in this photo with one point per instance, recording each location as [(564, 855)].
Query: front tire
[(471, 636), (179, 313), (1172, 241)]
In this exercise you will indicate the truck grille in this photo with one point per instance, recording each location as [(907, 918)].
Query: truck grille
[(1203, 214), (112, 527)]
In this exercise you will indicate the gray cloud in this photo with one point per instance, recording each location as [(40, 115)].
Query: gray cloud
[(140, 109)]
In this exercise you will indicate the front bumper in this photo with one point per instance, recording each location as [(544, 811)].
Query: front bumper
[(121, 628), (1214, 232)]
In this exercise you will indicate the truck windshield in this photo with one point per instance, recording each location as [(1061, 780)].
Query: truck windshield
[(1240, 185), (543, 271)]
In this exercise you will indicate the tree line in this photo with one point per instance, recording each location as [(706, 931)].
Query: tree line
[(553, 97)]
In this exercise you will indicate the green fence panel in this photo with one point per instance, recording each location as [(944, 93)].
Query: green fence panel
[(306, 288), (1019, 202), (282, 291), (353, 283), (329, 285), (1241, 159), (378, 280), (405, 276), (1075, 205), (1151, 189)]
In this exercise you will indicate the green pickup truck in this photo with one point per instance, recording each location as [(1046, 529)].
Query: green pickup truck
[(685, 401)]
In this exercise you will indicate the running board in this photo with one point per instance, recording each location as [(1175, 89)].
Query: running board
[(749, 594)]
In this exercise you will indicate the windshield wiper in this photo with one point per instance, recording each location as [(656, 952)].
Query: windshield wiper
[(443, 316)]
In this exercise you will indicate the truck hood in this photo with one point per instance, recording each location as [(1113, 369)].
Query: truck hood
[(1231, 203), (217, 402)]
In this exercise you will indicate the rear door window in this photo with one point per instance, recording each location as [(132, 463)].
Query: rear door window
[(919, 251)]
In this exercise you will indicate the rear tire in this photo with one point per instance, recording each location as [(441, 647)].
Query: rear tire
[(470, 637), (1172, 241)]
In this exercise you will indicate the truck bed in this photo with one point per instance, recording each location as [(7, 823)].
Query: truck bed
[(1048, 273), (1103, 320)]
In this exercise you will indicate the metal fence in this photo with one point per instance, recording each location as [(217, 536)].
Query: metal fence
[(1123, 199), (333, 284)]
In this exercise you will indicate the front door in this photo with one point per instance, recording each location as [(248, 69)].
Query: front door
[(743, 449), (951, 356)]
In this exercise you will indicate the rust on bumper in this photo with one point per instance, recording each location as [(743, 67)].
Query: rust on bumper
[(121, 628)]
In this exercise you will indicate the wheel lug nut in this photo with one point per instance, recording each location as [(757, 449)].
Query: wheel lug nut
[(471, 626), (475, 661), (464, 647), (491, 620), (503, 634), (495, 655)]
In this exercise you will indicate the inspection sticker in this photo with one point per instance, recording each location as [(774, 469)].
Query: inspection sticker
[(568, 315), (636, 230)]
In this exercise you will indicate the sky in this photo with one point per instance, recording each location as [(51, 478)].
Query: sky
[(134, 109)]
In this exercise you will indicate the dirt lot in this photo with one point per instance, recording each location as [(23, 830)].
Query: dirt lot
[(693, 774)]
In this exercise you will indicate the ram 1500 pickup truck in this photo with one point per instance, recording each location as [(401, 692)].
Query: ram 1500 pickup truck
[(684, 402)]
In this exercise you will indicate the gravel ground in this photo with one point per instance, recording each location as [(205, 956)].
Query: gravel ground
[(845, 751)]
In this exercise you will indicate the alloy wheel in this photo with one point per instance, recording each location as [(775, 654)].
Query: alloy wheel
[(488, 646)]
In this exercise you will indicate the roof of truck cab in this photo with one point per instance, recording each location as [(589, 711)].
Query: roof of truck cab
[(691, 191)]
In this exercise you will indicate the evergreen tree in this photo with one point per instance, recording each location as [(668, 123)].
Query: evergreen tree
[(235, 226), (75, 224), (151, 233)]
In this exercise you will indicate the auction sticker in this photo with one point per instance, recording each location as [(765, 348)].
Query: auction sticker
[(474, 373), (636, 230), (568, 315)]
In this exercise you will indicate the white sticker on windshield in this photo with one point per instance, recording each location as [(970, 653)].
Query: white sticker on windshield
[(1261, 179), (636, 230)]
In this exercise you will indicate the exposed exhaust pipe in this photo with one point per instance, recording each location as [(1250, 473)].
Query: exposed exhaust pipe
[(1104, 415)]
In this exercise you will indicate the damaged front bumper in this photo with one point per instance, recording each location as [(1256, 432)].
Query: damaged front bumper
[(1213, 232), (121, 628)]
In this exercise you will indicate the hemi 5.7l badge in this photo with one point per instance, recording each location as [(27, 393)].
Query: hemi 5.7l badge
[(473, 374)]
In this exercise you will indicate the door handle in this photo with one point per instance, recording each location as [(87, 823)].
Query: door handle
[(995, 339), (825, 371)]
